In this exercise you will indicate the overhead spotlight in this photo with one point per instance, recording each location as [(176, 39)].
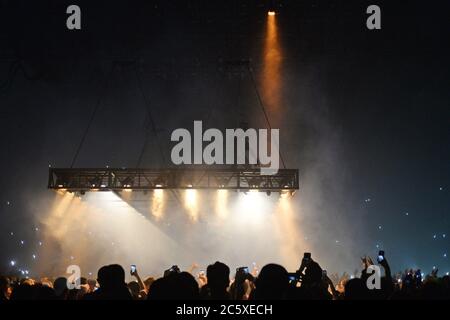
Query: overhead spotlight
[(158, 185), (271, 8), (189, 185), (284, 193), (127, 183), (95, 182)]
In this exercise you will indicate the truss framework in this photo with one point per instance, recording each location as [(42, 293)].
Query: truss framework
[(105, 179)]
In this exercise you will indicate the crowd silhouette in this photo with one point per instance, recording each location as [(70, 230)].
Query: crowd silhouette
[(272, 282)]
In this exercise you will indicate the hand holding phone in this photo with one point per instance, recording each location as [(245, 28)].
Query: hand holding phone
[(380, 258), (133, 269)]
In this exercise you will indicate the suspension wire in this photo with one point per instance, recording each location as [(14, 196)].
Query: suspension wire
[(12, 70), (94, 112), (262, 107), (211, 108), (152, 122)]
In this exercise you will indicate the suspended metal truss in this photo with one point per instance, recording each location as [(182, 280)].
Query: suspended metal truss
[(105, 179)]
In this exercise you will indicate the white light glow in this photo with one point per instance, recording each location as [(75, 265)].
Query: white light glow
[(101, 227), (191, 203), (157, 207), (221, 203)]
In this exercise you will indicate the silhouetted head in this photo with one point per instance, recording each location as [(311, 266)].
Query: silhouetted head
[(187, 287), (111, 276), (60, 287), (356, 289), (43, 292), (176, 286), (272, 282), (83, 281), (103, 276), (218, 275), (117, 274)]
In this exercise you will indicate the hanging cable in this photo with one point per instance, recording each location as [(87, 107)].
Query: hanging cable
[(262, 107), (94, 112), (152, 123), (12, 70)]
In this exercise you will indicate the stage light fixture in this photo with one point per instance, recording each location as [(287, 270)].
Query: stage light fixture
[(271, 8), (148, 179)]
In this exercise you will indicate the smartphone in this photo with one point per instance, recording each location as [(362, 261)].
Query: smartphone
[(243, 269), (292, 277), (380, 256), (133, 269)]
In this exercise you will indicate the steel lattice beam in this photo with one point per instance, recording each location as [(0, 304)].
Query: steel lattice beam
[(102, 179)]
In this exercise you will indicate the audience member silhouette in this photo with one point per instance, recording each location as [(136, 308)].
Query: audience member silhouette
[(111, 279), (218, 275), (4, 288), (174, 286), (272, 283)]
